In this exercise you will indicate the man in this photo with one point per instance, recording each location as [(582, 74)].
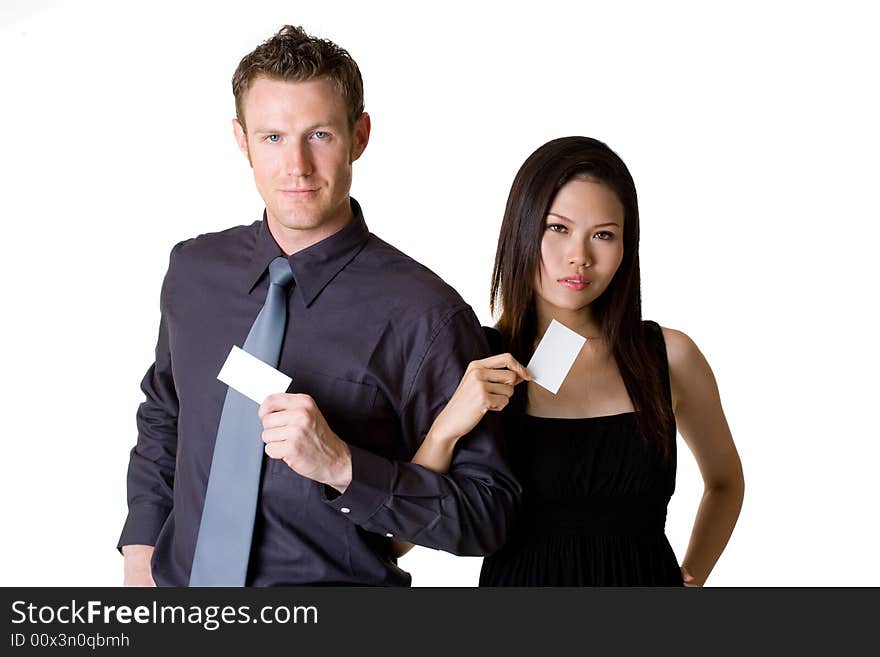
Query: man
[(375, 343)]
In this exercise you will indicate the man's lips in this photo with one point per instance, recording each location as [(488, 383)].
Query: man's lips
[(298, 191)]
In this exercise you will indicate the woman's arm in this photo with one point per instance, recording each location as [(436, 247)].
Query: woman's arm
[(487, 385), (702, 424)]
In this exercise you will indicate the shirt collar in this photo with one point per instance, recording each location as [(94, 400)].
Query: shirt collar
[(313, 267)]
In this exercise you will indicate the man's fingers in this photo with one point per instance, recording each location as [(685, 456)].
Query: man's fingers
[(283, 401), (277, 419), (145, 581), (273, 403), (276, 450), (275, 435)]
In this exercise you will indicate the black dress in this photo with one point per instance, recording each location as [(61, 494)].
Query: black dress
[(594, 502)]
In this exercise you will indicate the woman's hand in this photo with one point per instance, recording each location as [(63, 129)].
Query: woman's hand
[(688, 579), (487, 385)]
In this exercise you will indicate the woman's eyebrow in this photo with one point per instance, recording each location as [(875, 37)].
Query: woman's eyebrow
[(562, 216)]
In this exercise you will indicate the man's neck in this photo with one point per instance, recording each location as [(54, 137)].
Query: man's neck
[(293, 240)]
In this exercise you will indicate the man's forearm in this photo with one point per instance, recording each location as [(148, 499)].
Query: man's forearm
[(340, 475), (468, 511), (435, 453)]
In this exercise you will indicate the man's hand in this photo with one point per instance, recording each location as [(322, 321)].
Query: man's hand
[(296, 432), (137, 571)]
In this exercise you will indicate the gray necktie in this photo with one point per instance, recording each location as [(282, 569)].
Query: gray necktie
[(224, 540)]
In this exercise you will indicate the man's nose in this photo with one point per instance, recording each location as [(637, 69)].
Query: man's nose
[(298, 161)]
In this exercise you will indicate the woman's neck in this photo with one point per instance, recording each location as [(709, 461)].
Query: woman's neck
[(580, 321)]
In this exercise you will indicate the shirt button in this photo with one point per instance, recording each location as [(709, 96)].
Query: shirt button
[(345, 509), (389, 535)]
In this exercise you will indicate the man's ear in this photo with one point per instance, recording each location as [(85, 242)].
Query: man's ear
[(361, 136), (240, 138)]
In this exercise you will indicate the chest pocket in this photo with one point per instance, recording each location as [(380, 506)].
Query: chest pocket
[(357, 412)]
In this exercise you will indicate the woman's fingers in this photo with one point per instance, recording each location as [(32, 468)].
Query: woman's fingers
[(497, 402), (496, 366), (687, 578), (504, 376), (503, 389)]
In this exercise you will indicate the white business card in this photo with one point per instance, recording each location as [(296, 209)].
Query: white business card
[(252, 377), (555, 355)]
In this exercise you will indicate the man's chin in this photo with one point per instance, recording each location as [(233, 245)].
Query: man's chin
[(302, 220), (300, 224)]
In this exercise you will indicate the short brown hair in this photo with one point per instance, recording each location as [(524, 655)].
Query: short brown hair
[(294, 56)]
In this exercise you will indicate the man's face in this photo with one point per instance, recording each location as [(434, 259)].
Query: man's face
[(301, 148)]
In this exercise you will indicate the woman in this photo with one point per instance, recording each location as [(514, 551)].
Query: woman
[(597, 460)]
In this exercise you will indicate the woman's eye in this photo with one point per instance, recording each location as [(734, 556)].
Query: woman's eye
[(605, 235), (557, 228)]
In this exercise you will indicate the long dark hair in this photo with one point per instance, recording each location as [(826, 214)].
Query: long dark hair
[(619, 308)]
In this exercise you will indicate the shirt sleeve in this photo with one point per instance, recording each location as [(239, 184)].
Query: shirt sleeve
[(152, 461), (469, 510)]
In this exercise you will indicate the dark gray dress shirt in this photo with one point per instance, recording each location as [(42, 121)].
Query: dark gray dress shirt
[(380, 342)]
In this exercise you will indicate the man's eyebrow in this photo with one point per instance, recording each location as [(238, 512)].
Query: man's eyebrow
[(562, 216), (311, 128)]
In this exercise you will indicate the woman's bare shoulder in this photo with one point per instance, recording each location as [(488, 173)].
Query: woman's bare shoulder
[(680, 348), (686, 362)]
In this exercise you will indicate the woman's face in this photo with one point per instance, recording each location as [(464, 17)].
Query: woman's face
[(582, 246)]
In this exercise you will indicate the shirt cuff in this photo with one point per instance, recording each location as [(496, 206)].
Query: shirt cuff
[(370, 487), (143, 525)]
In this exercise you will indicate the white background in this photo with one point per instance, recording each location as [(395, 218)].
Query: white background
[(751, 132)]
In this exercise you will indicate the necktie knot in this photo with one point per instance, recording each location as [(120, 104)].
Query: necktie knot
[(280, 272)]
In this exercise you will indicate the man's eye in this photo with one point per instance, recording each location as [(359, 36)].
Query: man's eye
[(321, 134), (273, 139)]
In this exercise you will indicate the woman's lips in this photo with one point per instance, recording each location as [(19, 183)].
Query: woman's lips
[(575, 283)]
